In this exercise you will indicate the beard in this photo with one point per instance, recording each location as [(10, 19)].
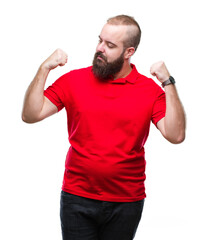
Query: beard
[(105, 70)]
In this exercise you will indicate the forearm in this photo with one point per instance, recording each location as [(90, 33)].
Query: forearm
[(36, 107), (34, 97), (174, 121)]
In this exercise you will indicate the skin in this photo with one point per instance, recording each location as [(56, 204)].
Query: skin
[(173, 125), (111, 45), (37, 107)]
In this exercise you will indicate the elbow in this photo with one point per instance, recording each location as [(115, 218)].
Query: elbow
[(178, 139), (181, 136), (28, 119), (25, 119)]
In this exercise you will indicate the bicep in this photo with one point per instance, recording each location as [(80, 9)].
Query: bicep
[(161, 126), (48, 109)]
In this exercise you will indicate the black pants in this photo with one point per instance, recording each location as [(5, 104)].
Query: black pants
[(88, 219)]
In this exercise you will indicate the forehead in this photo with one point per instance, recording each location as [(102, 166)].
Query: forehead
[(114, 33)]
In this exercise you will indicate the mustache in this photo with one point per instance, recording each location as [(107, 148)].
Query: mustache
[(99, 54)]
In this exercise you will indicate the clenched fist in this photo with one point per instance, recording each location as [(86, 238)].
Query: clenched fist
[(57, 58), (160, 71)]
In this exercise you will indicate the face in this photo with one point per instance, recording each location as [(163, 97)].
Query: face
[(109, 56)]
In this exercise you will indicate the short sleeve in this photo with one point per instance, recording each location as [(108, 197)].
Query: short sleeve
[(55, 93), (159, 107)]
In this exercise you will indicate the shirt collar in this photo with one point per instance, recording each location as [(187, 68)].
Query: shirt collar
[(131, 78)]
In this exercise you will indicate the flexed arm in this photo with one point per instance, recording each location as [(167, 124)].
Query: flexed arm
[(36, 106), (172, 126)]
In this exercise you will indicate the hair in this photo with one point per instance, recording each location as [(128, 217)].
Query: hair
[(134, 36)]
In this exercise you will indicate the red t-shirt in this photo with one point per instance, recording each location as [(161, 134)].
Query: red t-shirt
[(108, 125)]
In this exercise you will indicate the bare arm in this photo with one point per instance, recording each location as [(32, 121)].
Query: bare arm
[(36, 106), (172, 126)]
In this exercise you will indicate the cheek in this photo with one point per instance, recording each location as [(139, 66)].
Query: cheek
[(113, 55)]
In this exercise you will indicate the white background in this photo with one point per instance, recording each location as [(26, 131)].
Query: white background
[(32, 156)]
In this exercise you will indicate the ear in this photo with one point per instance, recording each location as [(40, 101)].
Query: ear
[(129, 52)]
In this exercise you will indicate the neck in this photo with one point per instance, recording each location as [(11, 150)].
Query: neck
[(126, 69)]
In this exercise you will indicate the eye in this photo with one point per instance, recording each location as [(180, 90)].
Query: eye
[(110, 45)]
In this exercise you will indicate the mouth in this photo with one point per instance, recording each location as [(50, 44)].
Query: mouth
[(100, 58)]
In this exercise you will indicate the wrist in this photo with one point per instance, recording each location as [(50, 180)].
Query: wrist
[(42, 73), (45, 67), (169, 81)]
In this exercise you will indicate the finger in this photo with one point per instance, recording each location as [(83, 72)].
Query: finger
[(152, 71), (63, 62)]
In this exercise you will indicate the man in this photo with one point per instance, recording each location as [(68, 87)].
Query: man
[(109, 109)]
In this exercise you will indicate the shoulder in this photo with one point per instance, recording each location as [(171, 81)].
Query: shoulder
[(147, 81), (147, 85), (73, 75), (78, 72)]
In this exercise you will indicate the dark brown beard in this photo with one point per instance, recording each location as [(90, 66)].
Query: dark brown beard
[(105, 70)]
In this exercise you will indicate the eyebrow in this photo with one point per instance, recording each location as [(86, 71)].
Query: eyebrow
[(108, 41)]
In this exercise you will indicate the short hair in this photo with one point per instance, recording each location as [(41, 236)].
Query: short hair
[(133, 38)]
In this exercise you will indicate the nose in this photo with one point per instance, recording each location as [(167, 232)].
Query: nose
[(100, 47)]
